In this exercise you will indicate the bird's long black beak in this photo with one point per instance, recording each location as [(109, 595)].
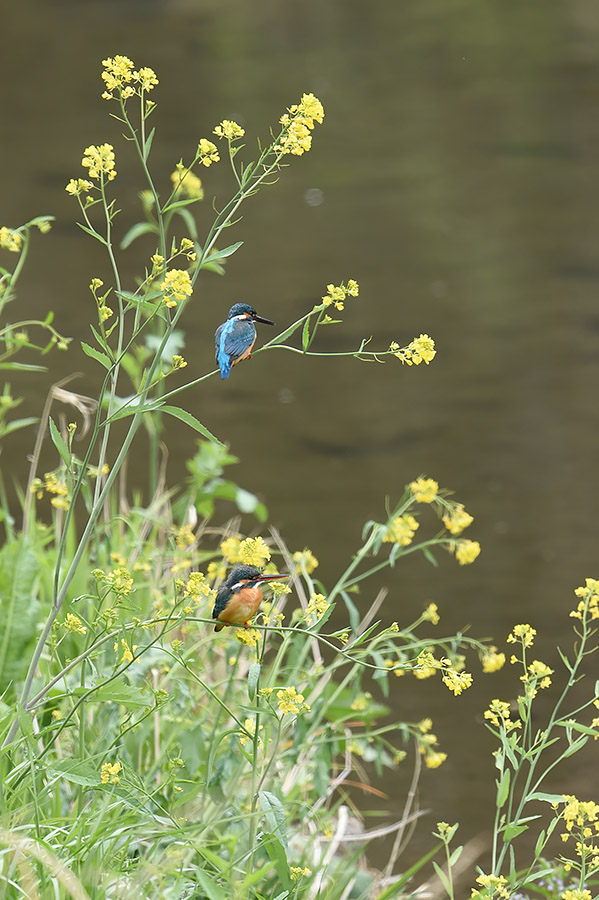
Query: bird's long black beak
[(258, 318), (261, 578)]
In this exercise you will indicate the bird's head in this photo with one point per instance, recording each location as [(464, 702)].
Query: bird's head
[(245, 311), (250, 574)]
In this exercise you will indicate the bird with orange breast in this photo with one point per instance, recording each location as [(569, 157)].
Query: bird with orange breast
[(235, 338), (239, 598)]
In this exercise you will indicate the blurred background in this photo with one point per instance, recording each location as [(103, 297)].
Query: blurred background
[(454, 178)]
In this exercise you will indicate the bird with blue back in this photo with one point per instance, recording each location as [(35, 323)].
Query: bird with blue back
[(235, 338), (239, 597)]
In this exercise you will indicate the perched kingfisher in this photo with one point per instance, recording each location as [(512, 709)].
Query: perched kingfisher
[(235, 338), (239, 598)]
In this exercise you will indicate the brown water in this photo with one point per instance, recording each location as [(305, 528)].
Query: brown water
[(458, 170)]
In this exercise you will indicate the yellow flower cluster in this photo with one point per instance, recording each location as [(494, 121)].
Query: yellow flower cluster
[(128, 651), (589, 603), (315, 609), (77, 186), (198, 588), (426, 665), (581, 819), (421, 349), (253, 552), (424, 489), (248, 636), (290, 701), (186, 184), (297, 872), (121, 76), (466, 552), (229, 130), (297, 124), (492, 660), (427, 741), (431, 614), (109, 773), (207, 152), (523, 634), (498, 714), (250, 727), (230, 549), (10, 239), (305, 561), (178, 362), (99, 161), (401, 530), (362, 702), (119, 580), (577, 894), (336, 294), (74, 623), (454, 680), (52, 484), (494, 885), (538, 673), (457, 519), (176, 286)]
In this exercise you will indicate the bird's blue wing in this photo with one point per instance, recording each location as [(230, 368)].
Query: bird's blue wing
[(220, 603), (232, 340)]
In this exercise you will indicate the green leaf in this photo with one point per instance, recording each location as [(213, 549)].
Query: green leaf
[(354, 613), (97, 355), (210, 888), (119, 691), (22, 367), (306, 334), (456, 854), (148, 146), (576, 726), (513, 831), (190, 420), (442, 877), (16, 424), (575, 747), (429, 556), (216, 255), (190, 222), (133, 405), (136, 231), (92, 233), (59, 443), (19, 609), (80, 771), (273, 812), (277, 853), (253, 678), (99, 338), (503, 788), (178, 204), (394, 889)]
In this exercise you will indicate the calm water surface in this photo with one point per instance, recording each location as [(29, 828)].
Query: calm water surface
[(457, 169)]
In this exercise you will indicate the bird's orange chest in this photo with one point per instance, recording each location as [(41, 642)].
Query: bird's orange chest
[(241, 606)]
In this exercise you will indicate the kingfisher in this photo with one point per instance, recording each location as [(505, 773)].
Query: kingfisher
[(235, 338), (239, 598)]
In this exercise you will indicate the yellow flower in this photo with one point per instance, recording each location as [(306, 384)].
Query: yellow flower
[(361, 702), (207, 152), (215, 570), (430, 614), (10, 239), (296, 872), (146, 78), (250, 726), (539, 670), (253, 552), (353, 288), (186, 184), (198, 588), (230, 549), (522, 633), (401, 530), (336, 294), (590, 599), (433, 759), (577, 894), (248, 636), (494, 886), (60, 503), (492, 661), (119, 72), (425, 725), (305, 561), (456, 681), (74, 623), (498, 714), (315, 609), (179, 362), (457, 519), (424, 489), (120, 581), (229, 130), (99, 161), (421, 349), (290, 701), (466, 552), (78, 186), (176, 286), (128, 651), (109, 773), (297, 124)]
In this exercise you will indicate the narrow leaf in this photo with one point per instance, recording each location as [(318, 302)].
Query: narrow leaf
[(503, 788), (442, 877), (190, 420), (79, 771), (59, 443), (253, 677), (136, 231), (148, 146), (226, 251), (278, 854), (306, 334), (97, 355), (513, 831), (274, 814), (93, 234)]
